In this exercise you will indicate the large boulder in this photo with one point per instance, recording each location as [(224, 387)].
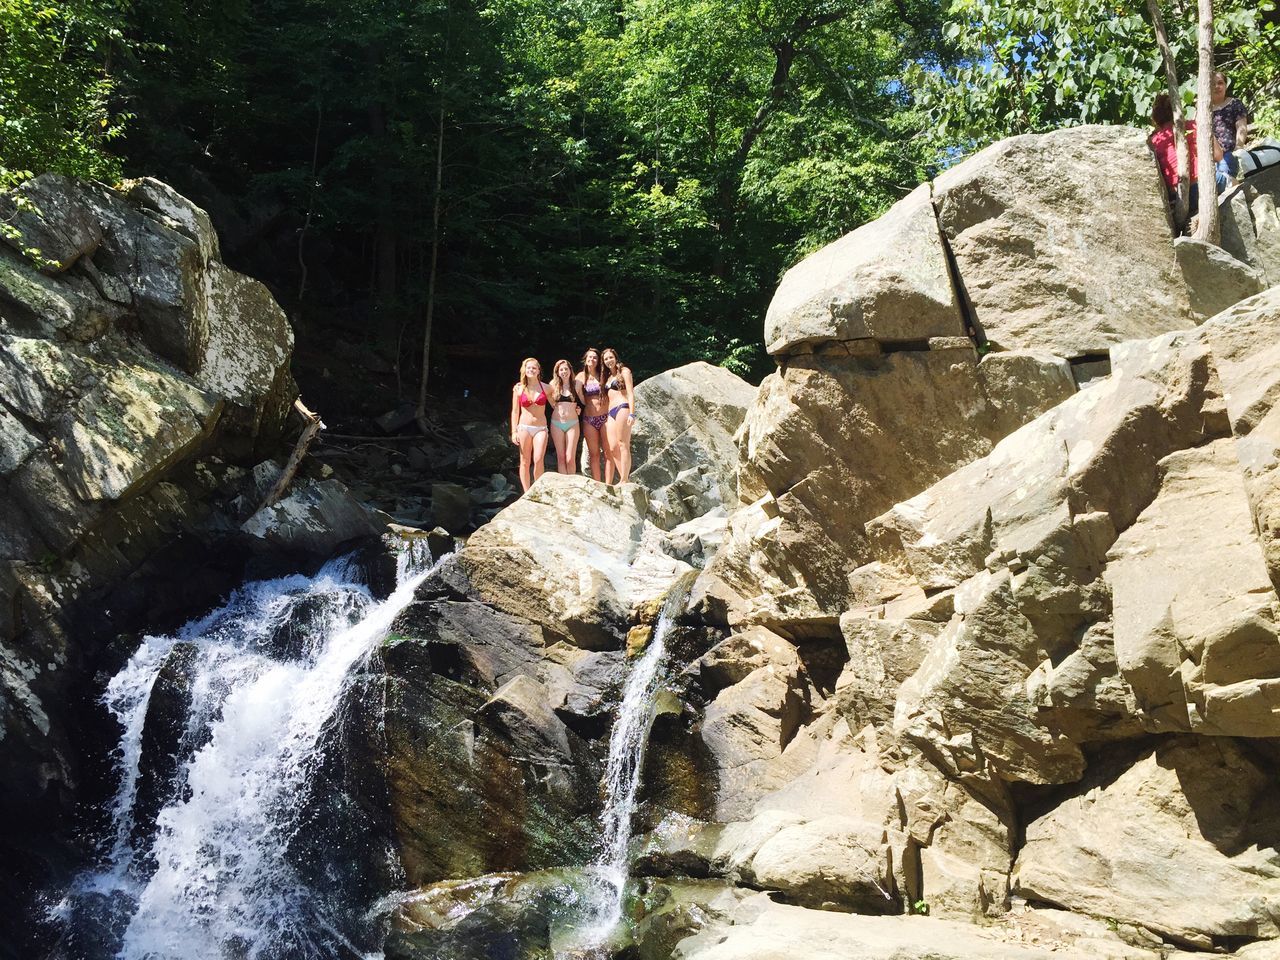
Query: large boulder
[(1061, 241), (1215, 279), (484, 769), (887, 281), (315, 518), (1181, 842), (1249, 223), (683, 444), (574, 556), (1022, 536), (133, 367), (832, 441), (1197, 621)]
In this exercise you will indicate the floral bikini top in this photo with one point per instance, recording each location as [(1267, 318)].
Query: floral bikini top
[(592, 387)]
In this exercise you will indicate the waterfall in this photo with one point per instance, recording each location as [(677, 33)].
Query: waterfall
[(627, 744), (264, 677)]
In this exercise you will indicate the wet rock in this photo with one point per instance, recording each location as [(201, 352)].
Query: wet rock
[(483, 774), (506, 915), (377, 564), (165, 743), (315, 518), (308, 620)]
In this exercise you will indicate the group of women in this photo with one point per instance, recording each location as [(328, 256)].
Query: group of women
[(596, 404)]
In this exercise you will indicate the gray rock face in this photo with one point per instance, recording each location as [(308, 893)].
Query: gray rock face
[(50, 219), (1031, 219), (114, 416), (1215, 279), (315, 518), (1250, 226), (683, 450), (1182, 842)]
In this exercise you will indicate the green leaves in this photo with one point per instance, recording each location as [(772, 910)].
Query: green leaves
[(1022, 66), (58, 105)]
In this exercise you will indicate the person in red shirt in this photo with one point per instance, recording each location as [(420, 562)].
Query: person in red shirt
[(1163, 146)]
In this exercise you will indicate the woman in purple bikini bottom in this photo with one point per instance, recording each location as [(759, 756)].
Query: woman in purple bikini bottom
[(595, 411), (622, 411)]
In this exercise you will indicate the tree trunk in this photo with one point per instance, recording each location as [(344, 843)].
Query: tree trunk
[(1208, 227), (1182, 198), (423, 425)]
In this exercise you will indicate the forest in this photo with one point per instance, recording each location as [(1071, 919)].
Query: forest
[(496, 178)]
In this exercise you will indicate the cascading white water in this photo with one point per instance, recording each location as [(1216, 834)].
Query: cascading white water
[(215, 880), (627, 745)]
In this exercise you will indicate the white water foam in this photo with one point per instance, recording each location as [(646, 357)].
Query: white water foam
[(215, 881), (627, 744)]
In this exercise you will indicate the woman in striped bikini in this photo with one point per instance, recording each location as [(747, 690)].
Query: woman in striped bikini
[(564, 416), (529, 421), (595, 411)]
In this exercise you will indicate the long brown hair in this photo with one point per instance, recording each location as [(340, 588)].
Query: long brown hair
[(618, 366), (557, 386), (599, 374)]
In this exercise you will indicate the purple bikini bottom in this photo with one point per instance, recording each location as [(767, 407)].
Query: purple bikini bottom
[(597, 422)]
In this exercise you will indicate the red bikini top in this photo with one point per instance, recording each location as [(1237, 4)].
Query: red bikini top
[(526, 402)]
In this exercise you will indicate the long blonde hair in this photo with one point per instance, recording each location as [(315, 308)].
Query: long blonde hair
[(522, 382)]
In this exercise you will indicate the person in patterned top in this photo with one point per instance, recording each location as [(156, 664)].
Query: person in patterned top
[(1230, 125)]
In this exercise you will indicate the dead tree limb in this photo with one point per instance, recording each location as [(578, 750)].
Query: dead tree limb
[(312, 425)]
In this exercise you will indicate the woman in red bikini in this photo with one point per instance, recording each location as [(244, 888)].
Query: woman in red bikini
[(595, 411), (622, 411), (529, 421), (564, 416)]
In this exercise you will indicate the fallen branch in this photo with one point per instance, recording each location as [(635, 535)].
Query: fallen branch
[(313, 425)]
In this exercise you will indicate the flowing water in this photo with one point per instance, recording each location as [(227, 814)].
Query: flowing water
[(627, 745), (212, 876)]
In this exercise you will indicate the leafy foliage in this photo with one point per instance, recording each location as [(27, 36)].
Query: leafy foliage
[(57, 87), (1024, 66)]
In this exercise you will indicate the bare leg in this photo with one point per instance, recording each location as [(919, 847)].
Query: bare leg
[(558, 438), (611, 430), (571, 446), (526, 452), (539, 452), (622, 449), (595, 448)]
